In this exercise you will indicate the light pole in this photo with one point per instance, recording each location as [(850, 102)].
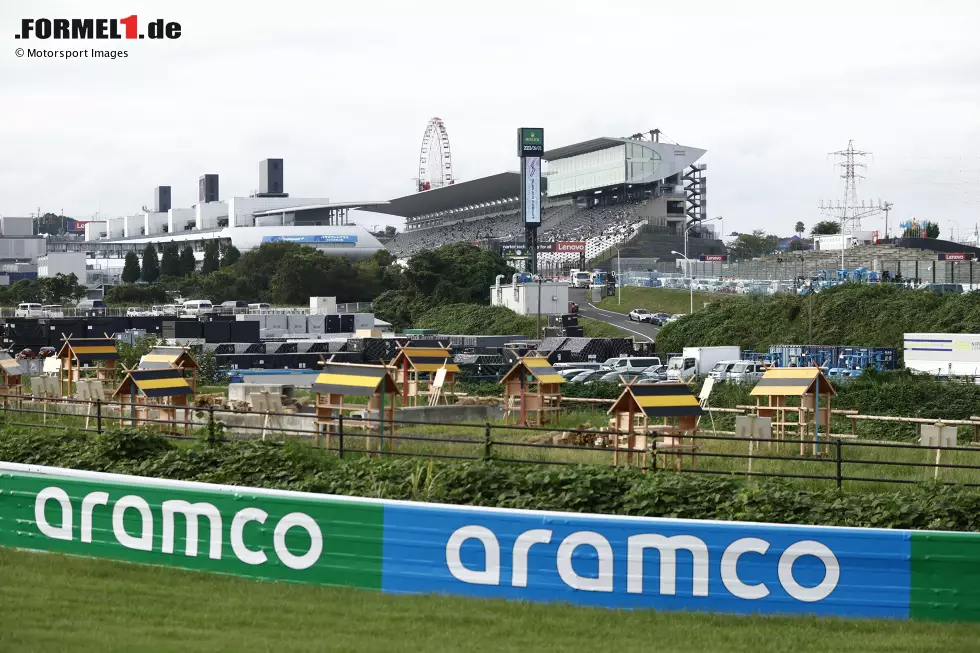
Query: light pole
[(619, 276), (951, 232), (690, 284)]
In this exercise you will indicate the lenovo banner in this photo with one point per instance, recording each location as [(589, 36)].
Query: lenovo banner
[(957, 256), (566, 246), (713, 258)]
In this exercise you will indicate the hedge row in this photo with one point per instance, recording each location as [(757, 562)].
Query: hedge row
[(576, 489)]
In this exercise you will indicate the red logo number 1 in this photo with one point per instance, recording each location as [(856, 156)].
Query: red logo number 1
[(130, 23)]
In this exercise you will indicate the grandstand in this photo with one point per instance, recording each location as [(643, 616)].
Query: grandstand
[(602, 192)]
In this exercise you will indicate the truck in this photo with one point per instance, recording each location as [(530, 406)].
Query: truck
[(698, 361), (580, 278)]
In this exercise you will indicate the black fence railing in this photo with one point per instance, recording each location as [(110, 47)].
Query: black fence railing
[(831, 461)]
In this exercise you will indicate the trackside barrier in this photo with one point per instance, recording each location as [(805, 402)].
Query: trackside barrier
[(402, 547)]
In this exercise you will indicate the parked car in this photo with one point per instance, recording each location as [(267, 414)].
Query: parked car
[(28, 309), (588, 376), (260, 307), (195, 307), (132, 311), (571, 372), (47, 352), (721, 369), (674, 318), (658, 319), (746, 372), (53, 310), (639, 315), (92, 306), (232, 306), (619, 377), (654, 374), (631, 363)]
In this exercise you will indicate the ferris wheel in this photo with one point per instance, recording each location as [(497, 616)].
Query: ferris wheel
[(435, 161)]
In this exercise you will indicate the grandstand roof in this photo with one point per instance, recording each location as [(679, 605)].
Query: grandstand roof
[(584, 147), (466, 193)]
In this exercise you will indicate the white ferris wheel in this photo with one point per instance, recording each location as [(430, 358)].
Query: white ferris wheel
[(435, 160)]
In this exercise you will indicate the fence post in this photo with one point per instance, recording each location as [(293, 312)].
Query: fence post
[(98, 416), (487, 442), (340, 434), (840, 477), (211, 425)]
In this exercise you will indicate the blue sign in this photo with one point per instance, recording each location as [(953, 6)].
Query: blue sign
[(333, 238), (665, 564)]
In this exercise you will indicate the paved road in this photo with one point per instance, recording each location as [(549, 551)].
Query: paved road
[(582, 296)]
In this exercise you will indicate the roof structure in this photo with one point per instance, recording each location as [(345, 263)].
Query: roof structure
[(89, 349), (10, 366), (354, 380), (792, 382), (461, 194), (316, 207), (538, 367), (585, 147), (659, 400), (165, 357), (426, 359), (154, 383)]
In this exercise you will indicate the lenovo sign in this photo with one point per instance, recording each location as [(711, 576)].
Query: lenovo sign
[(569, 246), (957, 256), (713, 258)]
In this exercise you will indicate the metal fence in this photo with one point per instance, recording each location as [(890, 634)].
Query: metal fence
[(834, 461)]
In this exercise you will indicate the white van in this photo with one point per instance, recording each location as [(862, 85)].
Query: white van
[(197, 307), (631, 363), (721, 370), (261, 307), (53, 310), (746, 372), (28, 309)]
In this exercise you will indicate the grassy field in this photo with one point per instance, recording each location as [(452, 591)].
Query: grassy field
[(51, 602), (658, 300), (597, 329)]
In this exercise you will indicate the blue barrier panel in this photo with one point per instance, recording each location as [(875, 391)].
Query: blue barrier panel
[(623, 562)]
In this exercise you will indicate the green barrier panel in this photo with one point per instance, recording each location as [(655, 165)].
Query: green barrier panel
[(265, 534), (945, 576)]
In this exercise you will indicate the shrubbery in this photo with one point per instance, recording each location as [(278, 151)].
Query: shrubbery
[(576, 489)]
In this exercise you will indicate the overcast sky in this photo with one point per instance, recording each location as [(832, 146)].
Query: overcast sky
[(343, 90)]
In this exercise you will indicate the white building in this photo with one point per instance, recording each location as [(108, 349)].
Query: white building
[(55, 263), (523, 298)]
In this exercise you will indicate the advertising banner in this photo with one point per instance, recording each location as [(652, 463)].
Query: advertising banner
[(402, 547), (565, 246), (957, 256), (713, 258), (530, 141), (531, 190), (324, 238)]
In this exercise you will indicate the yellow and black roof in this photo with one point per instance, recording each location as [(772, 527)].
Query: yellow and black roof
[(425, 359), (659, 400), (792, 382), (538, 367), (354, 380), (85, 350), (10, 366), (155, 383), (164, 357)]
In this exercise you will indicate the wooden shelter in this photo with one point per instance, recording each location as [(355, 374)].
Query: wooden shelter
[(155, 395), (417, 365), (675, 410), (161, 358), (535, 387), (809, 384), (11, 376), (338, 381), (96, 355)]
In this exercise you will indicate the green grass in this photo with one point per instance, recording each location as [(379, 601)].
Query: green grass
[(50, 602), (597, 329), (658, 300)]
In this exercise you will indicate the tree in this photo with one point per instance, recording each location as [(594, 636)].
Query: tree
[(129, 294), (151, 264), (131, 269), (800, 227), (210, 263), (229, 255), (757, 243), (170, 262), (825, 228), (187, 261), (931, 229), (390, 231)]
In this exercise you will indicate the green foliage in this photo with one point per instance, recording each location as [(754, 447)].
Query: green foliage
[(467, 319), (187, 261), (229, 255), (51, 224), (211, 254), (133, 295), (931, 228), (799, 228), (757, 243), (59, 289), (826, 228), (210, 373), (851, 314), (150, 270), (130, 355), (623, 491), (170, 262), (131, 268)]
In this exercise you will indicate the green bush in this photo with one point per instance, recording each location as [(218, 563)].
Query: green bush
[(577, 489)]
